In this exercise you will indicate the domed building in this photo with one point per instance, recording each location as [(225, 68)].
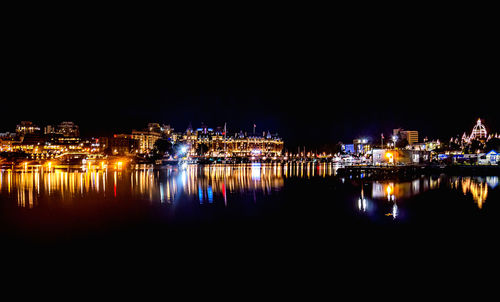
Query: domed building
[(479, 131)]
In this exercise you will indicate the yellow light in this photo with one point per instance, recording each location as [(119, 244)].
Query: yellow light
[(389, 190), (388, 155), (119, 164)]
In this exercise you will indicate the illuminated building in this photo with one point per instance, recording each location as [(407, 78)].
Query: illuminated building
[(5, 145), (246, 146), (406, 157), (146, 139), (26, 127), (361, 146), (425, 146), (68, 129), (348, 148), (119, 144), (6, 141), (490, 158), (49, 129), (40, 147), (479, 131), (206, 141)]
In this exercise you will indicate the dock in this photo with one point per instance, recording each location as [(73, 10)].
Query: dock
[(416, 170)]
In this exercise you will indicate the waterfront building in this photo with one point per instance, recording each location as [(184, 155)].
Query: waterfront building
[(209, 142), (119, 144), (40, 146), (492, 157), (7, 139), (425, 146), (248, 146), (32, 143), (146, 139), (361, 146), (397, 157), (348, 148), (56, 141)]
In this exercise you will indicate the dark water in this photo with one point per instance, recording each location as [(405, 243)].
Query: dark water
[(265, 204), (269, 220)]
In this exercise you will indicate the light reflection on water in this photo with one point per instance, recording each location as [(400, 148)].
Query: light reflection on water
[(392, 192), (206, 183), (215, 183)]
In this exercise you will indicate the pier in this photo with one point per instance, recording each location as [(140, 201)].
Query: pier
[(416, 170)]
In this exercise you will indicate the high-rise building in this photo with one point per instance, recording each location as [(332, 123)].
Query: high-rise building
[(410, 135)]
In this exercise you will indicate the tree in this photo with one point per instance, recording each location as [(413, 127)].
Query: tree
[(474, 146), (402, 143), (493, 144), (201, 149), (161, 147)]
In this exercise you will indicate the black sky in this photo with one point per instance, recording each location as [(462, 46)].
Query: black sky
[(315, 80)]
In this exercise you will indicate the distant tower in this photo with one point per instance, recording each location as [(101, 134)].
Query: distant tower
[(479, 131)]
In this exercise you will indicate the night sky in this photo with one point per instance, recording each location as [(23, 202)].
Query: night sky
[(316, 81)]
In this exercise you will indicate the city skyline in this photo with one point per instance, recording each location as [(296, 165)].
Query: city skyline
[(298, 125), (295, 133)]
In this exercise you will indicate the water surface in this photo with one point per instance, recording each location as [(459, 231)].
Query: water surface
[(293, 197)]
